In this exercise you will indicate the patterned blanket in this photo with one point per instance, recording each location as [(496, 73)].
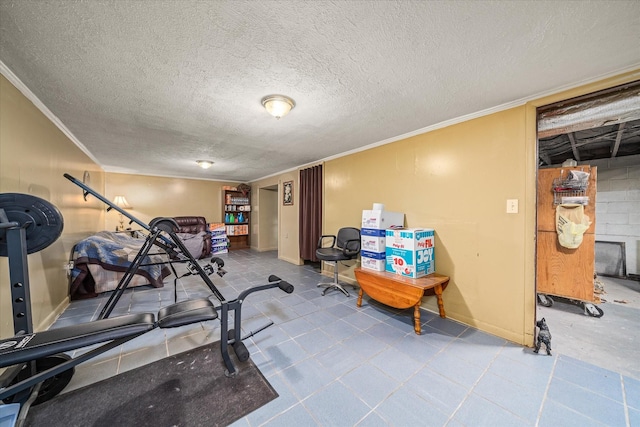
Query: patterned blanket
[(99, 262)]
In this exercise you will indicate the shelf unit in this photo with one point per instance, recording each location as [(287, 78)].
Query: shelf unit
[(236, 213)]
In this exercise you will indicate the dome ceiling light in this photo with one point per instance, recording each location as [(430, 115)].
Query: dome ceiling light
[(278, 105), (204, 164)]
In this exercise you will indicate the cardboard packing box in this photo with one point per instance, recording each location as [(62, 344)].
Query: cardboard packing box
[(372, 263), (410, 252), (382, 220)]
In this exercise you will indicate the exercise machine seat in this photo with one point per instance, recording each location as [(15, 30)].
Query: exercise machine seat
[(186, 312)]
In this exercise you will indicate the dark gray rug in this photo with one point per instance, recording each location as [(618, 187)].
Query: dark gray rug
[(188, 389)]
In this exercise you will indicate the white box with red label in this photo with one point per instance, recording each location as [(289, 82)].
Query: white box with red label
[(372, 263), (410, 252), (372, 240), (382, 220)]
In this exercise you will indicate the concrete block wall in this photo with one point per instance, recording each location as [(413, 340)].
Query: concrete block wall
[(618, 205)]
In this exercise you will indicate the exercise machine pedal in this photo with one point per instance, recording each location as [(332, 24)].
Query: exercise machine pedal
[(238, 346)]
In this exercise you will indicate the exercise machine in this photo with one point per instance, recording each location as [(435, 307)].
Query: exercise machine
[(37, 367)]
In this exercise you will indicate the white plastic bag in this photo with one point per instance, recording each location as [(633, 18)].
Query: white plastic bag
[(571, 224)]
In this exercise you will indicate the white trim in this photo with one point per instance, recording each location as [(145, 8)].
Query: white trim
[(5, 71), (107, 170)]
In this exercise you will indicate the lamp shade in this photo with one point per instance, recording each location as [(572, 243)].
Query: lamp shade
[(121, 202), (278, 105)]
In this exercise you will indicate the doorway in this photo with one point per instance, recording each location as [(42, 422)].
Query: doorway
[(268, 218), (600, 131)]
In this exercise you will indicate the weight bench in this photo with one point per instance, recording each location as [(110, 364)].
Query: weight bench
[(114, 331)]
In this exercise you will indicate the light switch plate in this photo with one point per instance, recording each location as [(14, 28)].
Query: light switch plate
[(512, 205)]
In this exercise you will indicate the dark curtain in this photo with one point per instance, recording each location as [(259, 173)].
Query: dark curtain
[(310, 211)]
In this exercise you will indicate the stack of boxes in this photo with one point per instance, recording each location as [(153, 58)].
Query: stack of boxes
[(373, 238), (219, 241), (237, 230), (410, 252)]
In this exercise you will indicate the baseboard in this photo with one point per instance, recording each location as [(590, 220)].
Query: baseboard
[(51, 318), (292, 261)]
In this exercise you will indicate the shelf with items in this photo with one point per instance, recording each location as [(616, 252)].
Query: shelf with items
[(571, 188), (237, 217)]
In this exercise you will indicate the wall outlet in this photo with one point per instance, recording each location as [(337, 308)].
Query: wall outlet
[(512, 205)]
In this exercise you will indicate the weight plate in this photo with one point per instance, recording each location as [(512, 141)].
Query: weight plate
[(43, 222), (52, 385)]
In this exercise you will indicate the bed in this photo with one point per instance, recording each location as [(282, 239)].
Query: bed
[(100, 261)]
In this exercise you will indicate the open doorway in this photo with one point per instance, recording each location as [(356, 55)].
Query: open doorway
[(268, 218), (598, 134)]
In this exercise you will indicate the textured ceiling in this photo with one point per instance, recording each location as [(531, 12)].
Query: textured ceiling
[(149, 87)]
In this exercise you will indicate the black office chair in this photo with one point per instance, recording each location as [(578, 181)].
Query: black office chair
[(344, 246)]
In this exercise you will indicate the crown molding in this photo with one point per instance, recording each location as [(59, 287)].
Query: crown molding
[(14, 80)]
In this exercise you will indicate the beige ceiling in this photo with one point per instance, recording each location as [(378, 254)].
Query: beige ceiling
[(149, 87)]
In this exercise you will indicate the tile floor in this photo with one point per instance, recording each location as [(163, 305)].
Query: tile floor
[(611, 341), (334, 364)]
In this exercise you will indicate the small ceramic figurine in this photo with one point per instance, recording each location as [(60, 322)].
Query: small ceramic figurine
[(544, 336)]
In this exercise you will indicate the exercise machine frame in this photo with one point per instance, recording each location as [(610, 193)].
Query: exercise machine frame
[(35, 359)]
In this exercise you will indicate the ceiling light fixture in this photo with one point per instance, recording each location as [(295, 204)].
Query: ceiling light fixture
[(278, 105), (204, 164)]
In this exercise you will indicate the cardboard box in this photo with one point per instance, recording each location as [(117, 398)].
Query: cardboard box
[(237, 230), (382, 220), (373, 255), (372, 232), (410, 252), (219, 241), (372, 263), (216, 228), (372, 243)]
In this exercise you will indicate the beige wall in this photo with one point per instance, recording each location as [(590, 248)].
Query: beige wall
[(34, 155), (152, 196), (455, 180)]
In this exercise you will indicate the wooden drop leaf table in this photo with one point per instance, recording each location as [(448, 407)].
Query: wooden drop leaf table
[(399, 291)]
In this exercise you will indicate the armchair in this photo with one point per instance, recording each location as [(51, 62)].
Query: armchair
[(195, 235), (345, 246)]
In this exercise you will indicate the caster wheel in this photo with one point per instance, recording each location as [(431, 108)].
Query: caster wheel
[(545, 300), (593, 310)]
